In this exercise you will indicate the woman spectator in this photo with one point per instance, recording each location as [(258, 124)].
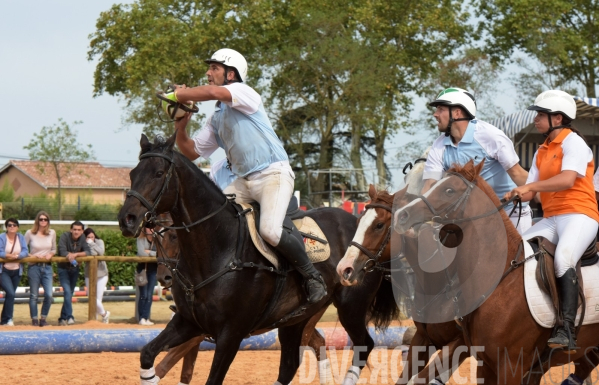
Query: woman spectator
[(41, 240), (96, 246), (146, 248), (12, 246)]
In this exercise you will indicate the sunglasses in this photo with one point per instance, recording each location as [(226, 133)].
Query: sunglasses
[(43, 219), (12, 225)]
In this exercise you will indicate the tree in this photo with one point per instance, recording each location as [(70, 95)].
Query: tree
[(57, 147), (327, 71), (560, 34)]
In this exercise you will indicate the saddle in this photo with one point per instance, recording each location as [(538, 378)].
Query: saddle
[(545, 272), (299, 224)]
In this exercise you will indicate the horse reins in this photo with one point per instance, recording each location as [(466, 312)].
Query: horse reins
[(373, 262)]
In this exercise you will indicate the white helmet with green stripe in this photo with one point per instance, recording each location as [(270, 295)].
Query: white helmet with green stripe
[(457, 97)]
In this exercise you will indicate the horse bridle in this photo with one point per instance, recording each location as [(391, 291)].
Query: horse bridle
[(442, 216), (373, 262), (150, 216)]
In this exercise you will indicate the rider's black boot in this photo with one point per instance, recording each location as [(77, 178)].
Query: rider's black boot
[(295, 252), (565, 337)]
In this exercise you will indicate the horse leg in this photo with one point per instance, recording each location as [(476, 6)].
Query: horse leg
[(188, 350), (177, 331), (227, 345), (291, 339), (316, 341), (414, 356), (447, 361), (362, 342)]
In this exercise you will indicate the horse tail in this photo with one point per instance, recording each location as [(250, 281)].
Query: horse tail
[(383, 309)]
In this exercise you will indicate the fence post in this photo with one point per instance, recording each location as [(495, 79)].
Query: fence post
[(92, 291)]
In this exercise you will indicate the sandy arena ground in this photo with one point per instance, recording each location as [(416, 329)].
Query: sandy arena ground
[(249, 367)]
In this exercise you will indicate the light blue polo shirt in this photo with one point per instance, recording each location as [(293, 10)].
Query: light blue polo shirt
[(481, 141)]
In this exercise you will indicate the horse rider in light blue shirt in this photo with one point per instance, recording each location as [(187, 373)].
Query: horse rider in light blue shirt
[(465, 138), (255, 155)]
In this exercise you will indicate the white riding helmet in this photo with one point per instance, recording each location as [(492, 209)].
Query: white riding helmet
[(555, 102), (231, 58), (458, 97)]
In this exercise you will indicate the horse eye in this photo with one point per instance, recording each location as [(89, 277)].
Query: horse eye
[(159, 174), (379, 225), (449, 192)]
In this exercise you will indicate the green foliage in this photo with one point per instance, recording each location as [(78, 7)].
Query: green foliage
[(327, 71), (28, 207), (57, 147), (560, 34), (7, 194)]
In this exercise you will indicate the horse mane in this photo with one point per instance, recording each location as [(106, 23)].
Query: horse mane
[(160, 145), (471, 174), (385, 197)]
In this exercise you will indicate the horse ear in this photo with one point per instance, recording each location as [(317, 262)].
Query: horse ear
[(145, 144), (372, 192), (170, 143), (479, 167)]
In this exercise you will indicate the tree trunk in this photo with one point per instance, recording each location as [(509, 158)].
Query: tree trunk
[(56, 165), (325, 162), (591, 85), (356, 158)]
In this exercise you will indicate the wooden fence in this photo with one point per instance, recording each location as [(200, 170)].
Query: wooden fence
[(93, 273)]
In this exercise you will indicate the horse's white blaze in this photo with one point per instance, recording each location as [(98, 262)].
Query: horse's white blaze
[(352, 252), (367, 219)]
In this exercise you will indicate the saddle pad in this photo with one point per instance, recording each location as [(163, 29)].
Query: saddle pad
[(540, 304), (317, 252)]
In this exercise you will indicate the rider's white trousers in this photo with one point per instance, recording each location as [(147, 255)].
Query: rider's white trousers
[(272, 188), (572, 233)]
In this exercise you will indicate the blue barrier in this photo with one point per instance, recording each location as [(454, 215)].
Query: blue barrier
[(132, 340)]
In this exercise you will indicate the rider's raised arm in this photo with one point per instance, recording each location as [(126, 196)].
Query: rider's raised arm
[(202, 94), (203, 144)]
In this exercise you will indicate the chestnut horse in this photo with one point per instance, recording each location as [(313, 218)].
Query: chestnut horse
[(501, 324), (372, 239)]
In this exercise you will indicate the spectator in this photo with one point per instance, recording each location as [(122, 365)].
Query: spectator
[(96, 246), (41, 240), (146, 248), (71, 245), (10, 272)]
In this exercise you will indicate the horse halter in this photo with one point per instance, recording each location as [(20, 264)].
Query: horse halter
[(442, 216), (373, 262), (150, 215)]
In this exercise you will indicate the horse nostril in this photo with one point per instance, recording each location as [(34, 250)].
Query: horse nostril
[(347, 273), (403, 217), (130, 220)]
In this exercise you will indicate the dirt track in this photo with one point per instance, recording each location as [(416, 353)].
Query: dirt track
[(249, 367)]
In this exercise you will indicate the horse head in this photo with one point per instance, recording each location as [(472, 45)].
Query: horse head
[(167, 253), (371, 245), (450, 197), (154, 186)]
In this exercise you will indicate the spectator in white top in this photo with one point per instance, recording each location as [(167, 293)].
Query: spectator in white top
[(12, 246), (96, 247), (41, 240)]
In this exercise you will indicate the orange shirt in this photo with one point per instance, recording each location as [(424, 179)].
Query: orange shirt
[(580, 198)]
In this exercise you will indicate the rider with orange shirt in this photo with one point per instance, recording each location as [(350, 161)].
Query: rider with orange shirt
[(562, 172)]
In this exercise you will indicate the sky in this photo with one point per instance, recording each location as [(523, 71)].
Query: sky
[(45, 75)]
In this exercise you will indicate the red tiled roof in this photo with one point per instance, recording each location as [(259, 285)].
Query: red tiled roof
[(81, 175)]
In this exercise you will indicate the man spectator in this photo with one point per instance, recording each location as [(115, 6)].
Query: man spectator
[(71, 245)]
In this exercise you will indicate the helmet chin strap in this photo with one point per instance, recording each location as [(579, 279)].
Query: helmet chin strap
[(451, 120), (551, 128)]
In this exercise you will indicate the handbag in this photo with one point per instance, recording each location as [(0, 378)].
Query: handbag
[(141, 278)]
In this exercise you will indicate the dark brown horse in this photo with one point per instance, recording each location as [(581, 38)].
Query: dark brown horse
[(168, 256), (501, 323), (224, 288)]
